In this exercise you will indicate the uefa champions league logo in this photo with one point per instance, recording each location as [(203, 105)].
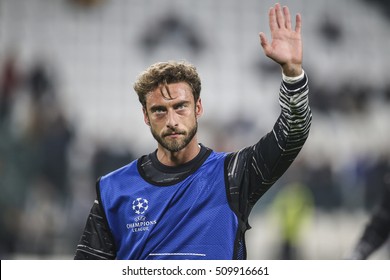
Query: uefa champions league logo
[(140, 205), (141, 223)]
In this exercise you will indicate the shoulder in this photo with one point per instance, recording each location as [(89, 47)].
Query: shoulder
[(217, 155), (241, 154), (120, 172)]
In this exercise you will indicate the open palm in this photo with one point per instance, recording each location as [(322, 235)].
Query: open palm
[(286, 45)]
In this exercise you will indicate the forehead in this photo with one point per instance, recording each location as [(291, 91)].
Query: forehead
[(177, 92)]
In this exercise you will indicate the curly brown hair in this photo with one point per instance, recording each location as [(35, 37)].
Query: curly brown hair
[(164, 73)]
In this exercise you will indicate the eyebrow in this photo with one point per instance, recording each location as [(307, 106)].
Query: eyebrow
[(178, 104), (155, 108)]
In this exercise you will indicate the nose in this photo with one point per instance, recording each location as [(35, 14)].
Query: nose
[(171, 119)]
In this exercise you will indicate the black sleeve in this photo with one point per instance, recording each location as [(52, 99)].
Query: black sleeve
[(97, 242), (376, 231), (251, 171)]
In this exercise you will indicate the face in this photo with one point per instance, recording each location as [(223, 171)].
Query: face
[(173, 120)]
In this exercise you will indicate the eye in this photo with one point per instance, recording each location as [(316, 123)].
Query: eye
[(181, 106), (158, 110), (159, 113)]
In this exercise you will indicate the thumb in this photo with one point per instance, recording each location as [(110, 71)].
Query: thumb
[(264, 42)]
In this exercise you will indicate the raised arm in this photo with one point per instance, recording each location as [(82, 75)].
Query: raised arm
[(253, 170), (285, 47)]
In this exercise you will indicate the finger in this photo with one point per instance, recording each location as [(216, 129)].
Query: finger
[(287, 17), (298, 23), (272, 19), (279, 16), (264, 42)]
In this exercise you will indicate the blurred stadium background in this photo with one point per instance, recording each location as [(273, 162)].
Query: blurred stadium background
[(68, 113)]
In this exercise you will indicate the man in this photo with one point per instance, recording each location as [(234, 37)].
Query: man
[(185, 201), (377, 230)]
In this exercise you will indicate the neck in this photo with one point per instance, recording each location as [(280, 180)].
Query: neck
[(177, 158)]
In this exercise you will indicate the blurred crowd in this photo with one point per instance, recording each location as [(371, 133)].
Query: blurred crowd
[(35, 143), (33, 158), (46, 181)]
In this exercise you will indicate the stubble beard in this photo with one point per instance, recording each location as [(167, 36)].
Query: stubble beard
[(175, 145)]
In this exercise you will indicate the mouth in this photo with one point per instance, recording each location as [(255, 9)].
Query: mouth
[(174, 134)]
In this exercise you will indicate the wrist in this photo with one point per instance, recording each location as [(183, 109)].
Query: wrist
[(292, 70), (292, 80)]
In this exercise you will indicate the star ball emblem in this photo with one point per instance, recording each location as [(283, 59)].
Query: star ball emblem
[(140, 205)]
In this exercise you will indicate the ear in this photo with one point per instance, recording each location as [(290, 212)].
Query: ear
[(198, 108), (146, 117)]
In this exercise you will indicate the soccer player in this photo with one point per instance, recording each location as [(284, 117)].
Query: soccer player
[(184, 200)]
